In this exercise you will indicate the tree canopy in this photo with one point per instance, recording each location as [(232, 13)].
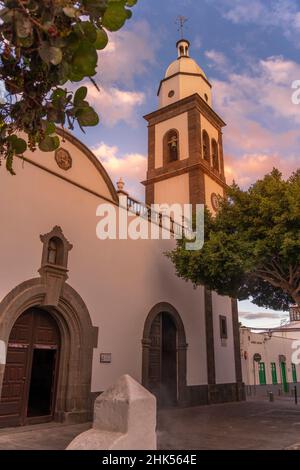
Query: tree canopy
[(44, 46), (252, 245)]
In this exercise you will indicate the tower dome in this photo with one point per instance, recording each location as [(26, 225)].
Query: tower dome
[(184, 63), (183, 77)]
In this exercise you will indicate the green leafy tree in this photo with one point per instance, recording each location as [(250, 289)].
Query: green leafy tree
[(252, 246), (44, 46)]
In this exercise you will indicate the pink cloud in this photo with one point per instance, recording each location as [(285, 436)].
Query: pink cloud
[(263, 123), (250, 167), (129, 54), (105, 103), (131, 167), (217, 59)]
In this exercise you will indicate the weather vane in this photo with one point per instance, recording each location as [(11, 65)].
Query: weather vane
[(180, 21)]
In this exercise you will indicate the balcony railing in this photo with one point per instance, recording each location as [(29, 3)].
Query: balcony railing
[(158, 218), (295, 313)]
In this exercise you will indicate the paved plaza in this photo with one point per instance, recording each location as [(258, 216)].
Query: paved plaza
[(247, 425)]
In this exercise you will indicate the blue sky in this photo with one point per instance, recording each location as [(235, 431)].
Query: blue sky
[(250, 51)]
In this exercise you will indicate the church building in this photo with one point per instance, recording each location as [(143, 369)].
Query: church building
[(77, 312)]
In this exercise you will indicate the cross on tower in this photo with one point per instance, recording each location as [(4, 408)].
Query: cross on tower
[(180, 21)]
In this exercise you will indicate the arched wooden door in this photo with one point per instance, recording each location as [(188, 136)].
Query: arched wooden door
[(163, 360), (29, 385)]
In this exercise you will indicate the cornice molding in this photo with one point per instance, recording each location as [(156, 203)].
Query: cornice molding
[(182, 106)]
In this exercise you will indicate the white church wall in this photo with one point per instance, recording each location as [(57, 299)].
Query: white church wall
[(120, 281), (184, 86), (166, 87), (194, 85), (173, 189), (180, 123), (83, 171), (140, 285), (224, 349)]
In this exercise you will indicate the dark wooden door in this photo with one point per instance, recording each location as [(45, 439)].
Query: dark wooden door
[(14, 383), (168, 362), (24, 380), (163, 360), (155, 357)]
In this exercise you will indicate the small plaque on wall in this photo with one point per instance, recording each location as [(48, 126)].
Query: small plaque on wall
[(105, 358)]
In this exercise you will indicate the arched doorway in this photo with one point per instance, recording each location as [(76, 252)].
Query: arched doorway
[(164, 355), (78, 338), (31, 371)]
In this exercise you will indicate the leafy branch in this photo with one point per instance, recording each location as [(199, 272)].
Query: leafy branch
[(44, 47)]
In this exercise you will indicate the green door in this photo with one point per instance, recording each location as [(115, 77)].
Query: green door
[(274, 373), (283, 377), (294, 373), (262, 373)]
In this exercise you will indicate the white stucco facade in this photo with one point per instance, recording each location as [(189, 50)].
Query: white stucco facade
[(173, 189), (119, 280), (119, 306), (273, 349)]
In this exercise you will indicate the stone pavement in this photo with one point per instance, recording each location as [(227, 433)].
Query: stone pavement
[(50, 436), (252, 425), (247, 425)]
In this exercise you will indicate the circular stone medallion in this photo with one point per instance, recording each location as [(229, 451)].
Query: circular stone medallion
[(63, 159)]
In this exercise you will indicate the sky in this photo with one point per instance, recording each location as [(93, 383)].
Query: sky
[(251, 54)]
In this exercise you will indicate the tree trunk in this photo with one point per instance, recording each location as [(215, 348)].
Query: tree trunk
[(297, 299)]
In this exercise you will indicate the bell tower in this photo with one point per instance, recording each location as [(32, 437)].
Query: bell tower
[(185, 146)]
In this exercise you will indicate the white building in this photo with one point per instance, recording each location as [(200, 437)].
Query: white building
[(271, 359), (77, 312)]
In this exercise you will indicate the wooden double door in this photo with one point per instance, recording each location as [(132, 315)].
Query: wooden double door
[(163, 360), (30, 377)]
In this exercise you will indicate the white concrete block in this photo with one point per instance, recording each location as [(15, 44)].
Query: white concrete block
[(124, 419)]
